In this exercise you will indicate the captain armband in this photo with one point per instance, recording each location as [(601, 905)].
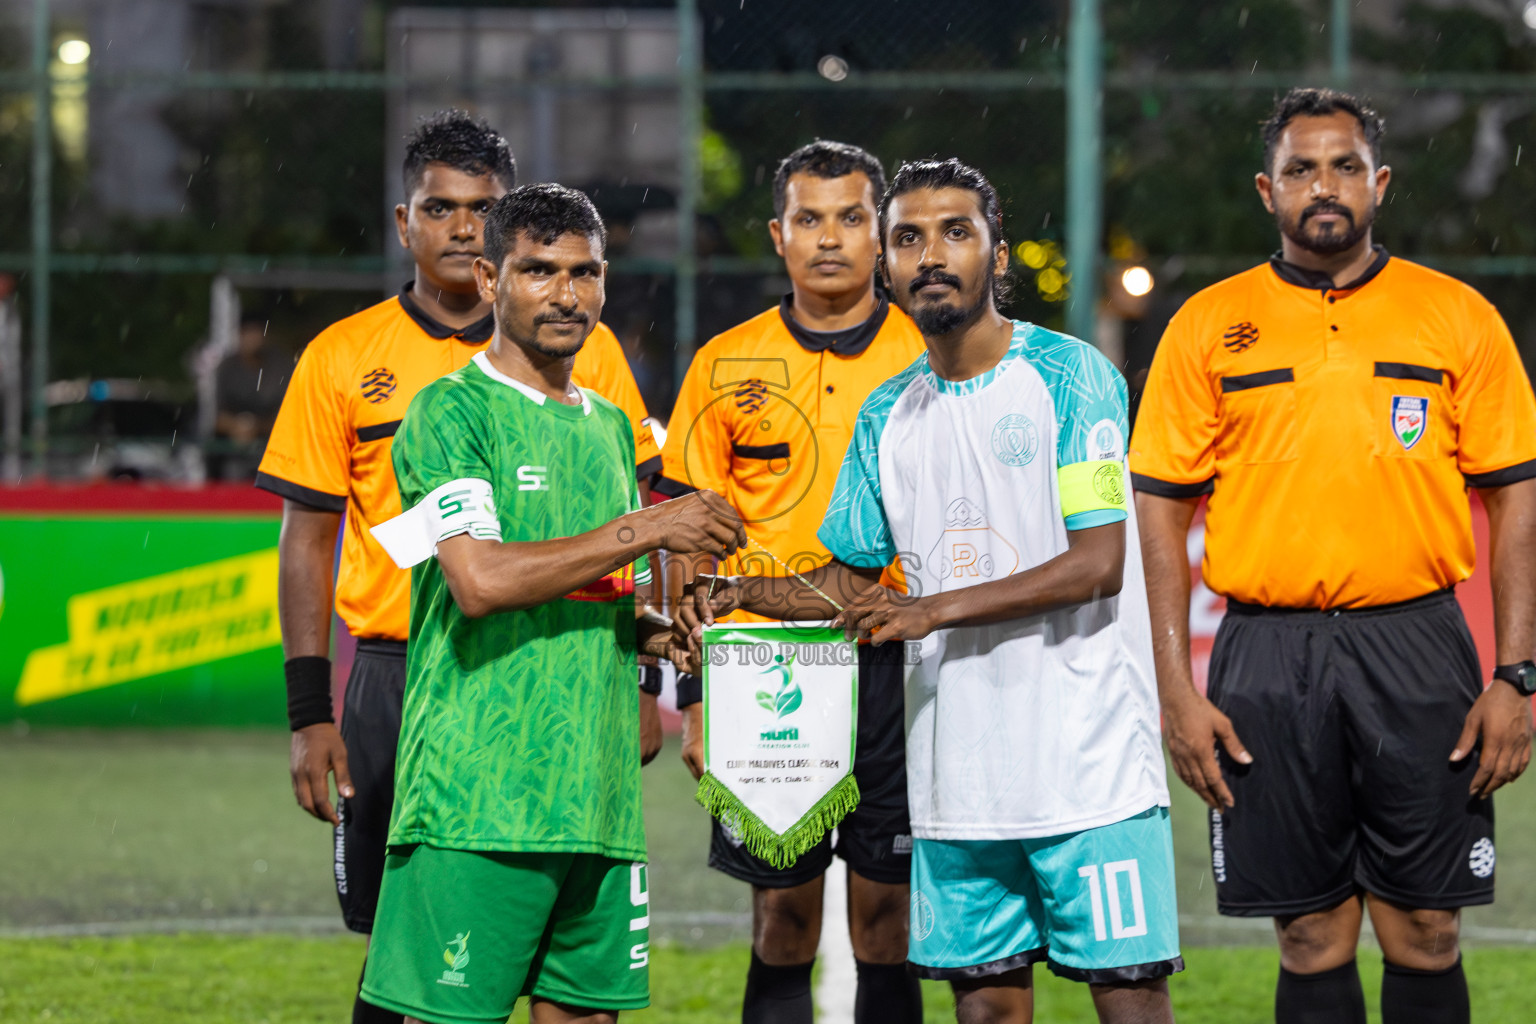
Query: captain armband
[(459, 506), (1092, 493)]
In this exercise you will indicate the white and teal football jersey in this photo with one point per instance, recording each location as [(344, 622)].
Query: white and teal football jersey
[(1037, 726)]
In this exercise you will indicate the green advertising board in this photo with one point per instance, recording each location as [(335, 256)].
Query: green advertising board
[(139, 618)]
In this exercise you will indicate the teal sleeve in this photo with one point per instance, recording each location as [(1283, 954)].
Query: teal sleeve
[(1092, 416)]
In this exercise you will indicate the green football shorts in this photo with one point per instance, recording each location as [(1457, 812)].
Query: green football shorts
[(459, 936)]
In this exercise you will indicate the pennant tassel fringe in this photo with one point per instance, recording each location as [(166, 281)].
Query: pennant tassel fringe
[(781, 851)]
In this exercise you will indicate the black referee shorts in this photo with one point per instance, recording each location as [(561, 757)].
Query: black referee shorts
[(875, 839), (370, 728), (1351, 718)]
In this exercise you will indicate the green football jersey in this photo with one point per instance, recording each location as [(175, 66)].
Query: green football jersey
[(521, 729)]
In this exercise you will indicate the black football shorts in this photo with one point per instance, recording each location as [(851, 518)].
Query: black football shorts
[(875, 839), (370, 728), (1351, 718)]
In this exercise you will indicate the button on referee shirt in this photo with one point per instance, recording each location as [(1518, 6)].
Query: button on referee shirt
[(764, 416), (1335, 429), (330, 447)]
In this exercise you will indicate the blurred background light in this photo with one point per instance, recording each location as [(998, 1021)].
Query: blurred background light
[(1136, 281), (74, 51)]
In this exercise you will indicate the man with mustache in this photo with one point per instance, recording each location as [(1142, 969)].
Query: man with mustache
[(329, 455), (763, 417), (994, 467), (517, 847), (1335, 405)]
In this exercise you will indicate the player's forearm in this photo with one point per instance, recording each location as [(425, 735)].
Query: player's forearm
[(1092, 568), (1165, 526), (490, 576), (305, 548), (790, 599), (1512, 538)]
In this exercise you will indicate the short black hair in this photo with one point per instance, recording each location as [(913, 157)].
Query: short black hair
[(1321, 103), (545, 211), (951, 173), (463, 142), (826, 159)]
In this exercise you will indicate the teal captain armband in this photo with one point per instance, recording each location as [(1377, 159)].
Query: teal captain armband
[(1092, 493)]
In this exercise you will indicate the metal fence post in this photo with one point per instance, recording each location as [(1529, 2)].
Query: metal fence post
[(690, 101), (42, 229), (1085, 143), (1339, 44)]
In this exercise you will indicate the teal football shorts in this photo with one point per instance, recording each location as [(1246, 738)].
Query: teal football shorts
[(1097, 906)]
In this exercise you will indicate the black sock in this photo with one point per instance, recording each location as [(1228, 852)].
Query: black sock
[(1424, 997), (777, 995), (887, 994), (1332, 997), (367, 1013)]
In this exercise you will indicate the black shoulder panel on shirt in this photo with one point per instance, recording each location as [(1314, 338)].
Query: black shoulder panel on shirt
[(303, 495), (379, 431), (1245, 381), (1410, 371), (1502, 477), (1164, 489)]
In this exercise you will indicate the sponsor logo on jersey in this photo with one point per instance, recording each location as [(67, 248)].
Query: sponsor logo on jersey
[(970, 547), (378, 385), (1015, 440), (533, 478), (1240, 337), (922, 916), (1105, 442), (901, 846), (456, 956), (751, 395), (1481, 859), (1410, 418), (1109, 484)]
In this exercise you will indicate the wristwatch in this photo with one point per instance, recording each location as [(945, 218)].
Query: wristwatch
[(1521, 676)]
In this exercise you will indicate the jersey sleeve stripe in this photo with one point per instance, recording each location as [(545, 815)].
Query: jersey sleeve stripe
[(378, 431), (1168, 489), (303, 495), (1410, 371), (1502, 477)]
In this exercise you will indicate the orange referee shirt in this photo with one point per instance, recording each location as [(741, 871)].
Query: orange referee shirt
[(1335, 429), (764, 416), (330, 447)]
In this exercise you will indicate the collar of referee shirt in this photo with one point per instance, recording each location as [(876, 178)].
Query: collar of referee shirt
[(850, 341), (1301, 277), (476, 333)]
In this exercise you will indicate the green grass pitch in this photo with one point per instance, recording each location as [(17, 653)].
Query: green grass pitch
[(118, 843)]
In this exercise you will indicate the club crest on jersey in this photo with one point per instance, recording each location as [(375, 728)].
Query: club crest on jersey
[(378, 385), (1015, 440), (1410, 418)]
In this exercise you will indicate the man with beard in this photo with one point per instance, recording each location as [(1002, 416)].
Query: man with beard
[(1335, 404), (329, 456), (763, 417), (517, 847), (994, 466)]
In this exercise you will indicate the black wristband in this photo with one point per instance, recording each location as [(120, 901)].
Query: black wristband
[(690, 689), (309, 691), (650, 680)]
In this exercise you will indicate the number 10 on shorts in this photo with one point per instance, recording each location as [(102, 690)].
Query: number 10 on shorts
[(1112, 872)]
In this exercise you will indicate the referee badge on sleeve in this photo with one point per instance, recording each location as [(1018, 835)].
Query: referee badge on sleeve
[(1410, 418)]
